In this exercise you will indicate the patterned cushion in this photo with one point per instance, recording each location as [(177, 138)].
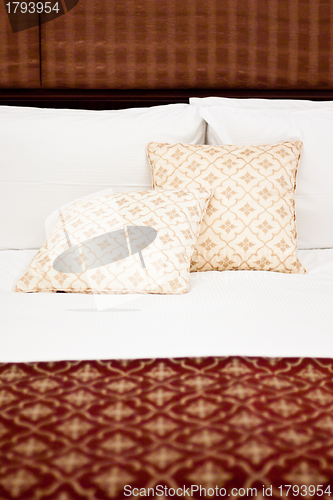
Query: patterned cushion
[(135, 242), (250, 221)]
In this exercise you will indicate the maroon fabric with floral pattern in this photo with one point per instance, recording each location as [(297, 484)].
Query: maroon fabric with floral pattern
[(84, 430)]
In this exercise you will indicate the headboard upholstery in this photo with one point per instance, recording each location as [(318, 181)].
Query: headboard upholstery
[(19, 55), (173, 44)]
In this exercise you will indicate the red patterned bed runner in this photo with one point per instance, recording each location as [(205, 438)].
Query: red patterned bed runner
[(85, 430)]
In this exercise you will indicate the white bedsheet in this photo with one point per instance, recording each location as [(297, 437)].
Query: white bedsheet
[(231, 313)]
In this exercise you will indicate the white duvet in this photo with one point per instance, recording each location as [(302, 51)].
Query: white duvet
[(245, 313)]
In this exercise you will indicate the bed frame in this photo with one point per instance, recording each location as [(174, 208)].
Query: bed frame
[(118, 99)]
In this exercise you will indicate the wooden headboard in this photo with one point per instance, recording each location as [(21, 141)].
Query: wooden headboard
[(129, 52), (119, 99)]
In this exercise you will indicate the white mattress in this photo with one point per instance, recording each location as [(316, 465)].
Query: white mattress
[(230, 313)]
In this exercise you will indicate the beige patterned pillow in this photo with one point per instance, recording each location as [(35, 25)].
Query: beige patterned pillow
[(250, 221), (121, 243)]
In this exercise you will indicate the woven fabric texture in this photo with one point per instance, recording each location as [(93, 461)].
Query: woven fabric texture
[(256, 44), (19, 55), (280, 44)]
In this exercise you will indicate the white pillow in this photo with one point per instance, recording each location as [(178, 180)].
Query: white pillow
[(48, 157), (239, 123), (258, 103)]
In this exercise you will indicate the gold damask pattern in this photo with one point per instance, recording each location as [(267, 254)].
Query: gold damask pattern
[(250, 222), (84, 430), (175, 215)]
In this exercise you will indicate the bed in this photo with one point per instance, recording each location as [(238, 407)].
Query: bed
[(224, 391)]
